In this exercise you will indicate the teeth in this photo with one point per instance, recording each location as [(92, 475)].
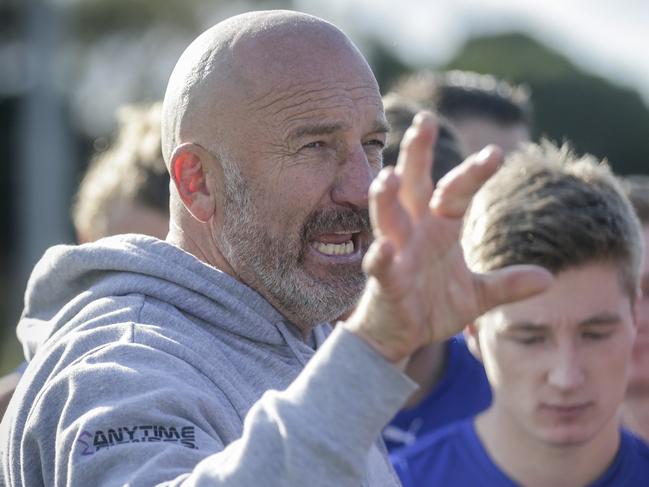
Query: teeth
[(334, 249)]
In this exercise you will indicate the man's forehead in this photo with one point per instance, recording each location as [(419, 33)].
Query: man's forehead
[(294, 106), (267, 67)]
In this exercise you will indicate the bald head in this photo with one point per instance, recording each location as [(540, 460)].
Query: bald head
[(232, 70)]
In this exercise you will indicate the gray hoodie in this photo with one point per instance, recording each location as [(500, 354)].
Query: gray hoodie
[(150, 367)]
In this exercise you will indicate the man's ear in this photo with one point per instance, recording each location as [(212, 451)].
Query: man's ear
[(472, 338), (188, 170)]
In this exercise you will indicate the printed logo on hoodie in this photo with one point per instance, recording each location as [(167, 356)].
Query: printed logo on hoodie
[(91, 442)]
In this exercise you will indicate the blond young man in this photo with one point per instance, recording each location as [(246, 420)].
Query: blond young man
[(558, 362), (126, 187)]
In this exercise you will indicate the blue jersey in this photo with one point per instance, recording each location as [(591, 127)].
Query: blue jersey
[(463, 391), (455, 457)]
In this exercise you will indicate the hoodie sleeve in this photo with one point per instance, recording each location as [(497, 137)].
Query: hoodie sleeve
[(119, 418)]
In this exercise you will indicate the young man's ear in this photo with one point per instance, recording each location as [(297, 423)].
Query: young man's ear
[(472, 338), (188, 169)]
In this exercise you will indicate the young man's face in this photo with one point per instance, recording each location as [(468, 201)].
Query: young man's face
[(639, 382), (558, 362)]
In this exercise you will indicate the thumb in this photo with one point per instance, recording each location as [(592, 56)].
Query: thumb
[(509, 284)]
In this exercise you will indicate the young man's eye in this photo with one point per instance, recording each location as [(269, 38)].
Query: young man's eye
[(592, 335), (530, 340)]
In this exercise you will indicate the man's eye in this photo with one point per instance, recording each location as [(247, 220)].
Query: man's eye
[(314, 145), (376, 143)]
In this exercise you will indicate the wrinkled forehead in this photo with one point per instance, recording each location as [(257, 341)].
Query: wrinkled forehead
[(289, 105)]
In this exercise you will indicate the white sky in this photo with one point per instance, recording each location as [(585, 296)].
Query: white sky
[(607, 37)]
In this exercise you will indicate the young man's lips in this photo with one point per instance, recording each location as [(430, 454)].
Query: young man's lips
[(566, 409)]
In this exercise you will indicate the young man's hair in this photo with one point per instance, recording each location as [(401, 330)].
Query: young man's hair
[(400, 111), (548, 207), (130, 171), (636, 187), (462, 94)]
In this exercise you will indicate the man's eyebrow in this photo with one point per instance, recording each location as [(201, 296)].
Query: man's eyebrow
[(317, 129), (603, 319), (380, 126)]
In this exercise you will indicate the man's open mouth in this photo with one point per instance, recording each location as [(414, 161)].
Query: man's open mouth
[(338, 243)]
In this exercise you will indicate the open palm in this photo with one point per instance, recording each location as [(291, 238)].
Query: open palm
[(420, 288)]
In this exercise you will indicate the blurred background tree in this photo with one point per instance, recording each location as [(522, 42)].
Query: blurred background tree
[(594, 114)]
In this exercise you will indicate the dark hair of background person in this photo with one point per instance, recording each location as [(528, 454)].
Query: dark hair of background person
[(400, 111), (457, 94)]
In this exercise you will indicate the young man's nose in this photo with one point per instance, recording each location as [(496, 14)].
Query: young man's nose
[(566, 370)]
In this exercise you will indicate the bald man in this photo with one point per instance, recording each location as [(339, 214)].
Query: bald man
[(200, 360)]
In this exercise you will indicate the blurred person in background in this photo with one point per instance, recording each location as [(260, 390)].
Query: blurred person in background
[(483, 109), (452, 382), (558, 362), (400, 112), (202, 359), (124, 190), (635, 410)]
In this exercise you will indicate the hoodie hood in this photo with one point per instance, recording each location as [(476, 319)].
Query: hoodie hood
[(69, 277)]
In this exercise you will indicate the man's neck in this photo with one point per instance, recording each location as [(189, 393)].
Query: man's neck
[(529, 461), (635, 414)]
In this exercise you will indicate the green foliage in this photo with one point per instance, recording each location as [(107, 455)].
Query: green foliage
[(591, 113)]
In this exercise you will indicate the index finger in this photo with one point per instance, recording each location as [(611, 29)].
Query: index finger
[(415, 162), (455, 190)]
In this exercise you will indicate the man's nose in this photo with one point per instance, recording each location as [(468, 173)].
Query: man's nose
[(566, 371), (355, 173)]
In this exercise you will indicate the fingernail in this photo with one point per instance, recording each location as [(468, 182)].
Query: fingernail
[(421, 117), (485, 153)]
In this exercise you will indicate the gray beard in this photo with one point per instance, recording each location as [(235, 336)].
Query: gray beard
[(274, 266)]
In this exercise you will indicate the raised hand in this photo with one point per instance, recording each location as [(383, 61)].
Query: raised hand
[(420, 288)]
